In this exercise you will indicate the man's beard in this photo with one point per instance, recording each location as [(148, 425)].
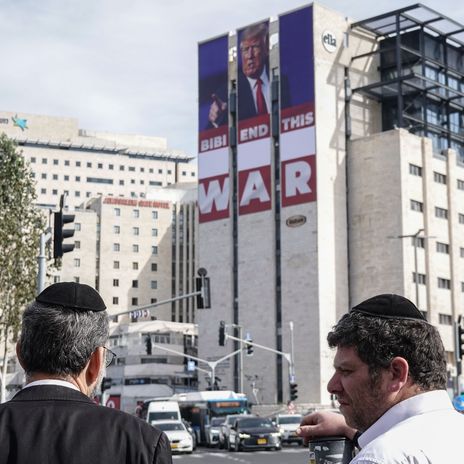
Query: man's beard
[(97, 387)]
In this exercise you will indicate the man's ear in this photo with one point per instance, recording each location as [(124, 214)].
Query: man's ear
[(95, 365), (399, 373)]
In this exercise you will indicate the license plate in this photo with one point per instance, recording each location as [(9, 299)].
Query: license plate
[(262, 441), (174, 445)]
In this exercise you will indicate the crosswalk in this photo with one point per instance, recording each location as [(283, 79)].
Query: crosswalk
[(231, 457)]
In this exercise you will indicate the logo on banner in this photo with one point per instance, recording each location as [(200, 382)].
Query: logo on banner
[(329, 41)]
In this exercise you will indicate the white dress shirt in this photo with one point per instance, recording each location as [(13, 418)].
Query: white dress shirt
[(424, 429), (61, 383)]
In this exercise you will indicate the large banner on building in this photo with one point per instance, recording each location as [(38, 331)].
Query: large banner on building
[(213, 127), (253, 110), (297, 119)]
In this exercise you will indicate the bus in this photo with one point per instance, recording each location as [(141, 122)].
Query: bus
[(200, 407)]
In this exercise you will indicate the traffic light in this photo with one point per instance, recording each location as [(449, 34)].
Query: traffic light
[(204, 297), (249, 347), (222, 333), (293, 391), (59, 234), (106, 384), (148, 344)]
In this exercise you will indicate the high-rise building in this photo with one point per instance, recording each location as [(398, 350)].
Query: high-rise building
[(348, 181)]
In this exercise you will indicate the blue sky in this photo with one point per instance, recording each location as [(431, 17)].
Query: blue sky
[(131, 67)]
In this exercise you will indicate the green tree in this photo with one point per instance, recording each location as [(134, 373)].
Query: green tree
[(21, 224)]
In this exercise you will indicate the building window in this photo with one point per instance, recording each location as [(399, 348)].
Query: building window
[(89, 164), (460, 184), (136, 213), (153, 300), (77, 244), (121, 168), (43, 191), (154, 214), (169, 171), (43, 176), (419, 242), (419, 278), (131, 169), (135, 265), (77, 262), (445, 319), (184, 173), (54, 192), (135, 230), (438, 177), (100, 165), (160, 171), (461, 252), (133, 181), (154, 250), (116, 229), (77, 279), (135, 248), (121, 182), (115, 282), (33, 159), (154, 232), (78, 178), (44, 161), (115, 300), (78, 164), (461, 218), (66, 178), (117, 211), (66, 162), (115, 264), (154, 284), (87, 194), (417, 206), (135, 284), (77, 226), (154, 267), (444, 283), (135, 301), (441, 213), (55, 176), (442, 248), (77, 193), (55, 162), (116, 247), (462, 286), (192, 174)]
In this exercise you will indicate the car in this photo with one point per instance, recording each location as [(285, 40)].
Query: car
[(225, 429), (180, 439), (287, 425), (190, 430), (213, 431), (254, 433)]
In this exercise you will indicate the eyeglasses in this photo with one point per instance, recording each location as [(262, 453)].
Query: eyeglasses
[(110, 356)]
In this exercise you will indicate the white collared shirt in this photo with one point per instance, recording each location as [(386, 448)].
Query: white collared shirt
[(424, 429), (61, 383), (265, 88)]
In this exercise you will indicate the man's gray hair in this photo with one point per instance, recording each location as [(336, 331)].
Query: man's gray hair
[(59, 341)]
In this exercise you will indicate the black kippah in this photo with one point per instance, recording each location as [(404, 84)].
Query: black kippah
[(389, 306), (71, 295)]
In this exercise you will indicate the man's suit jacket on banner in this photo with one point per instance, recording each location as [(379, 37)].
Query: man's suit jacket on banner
[(50, 424)]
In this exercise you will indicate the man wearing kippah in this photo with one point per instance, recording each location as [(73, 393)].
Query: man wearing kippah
[(53, 420), (390, 381)]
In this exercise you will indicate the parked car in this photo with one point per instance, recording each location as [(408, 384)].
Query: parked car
[(225, 429), (254, 433), (180, 439), (213, 431), (287, 425)]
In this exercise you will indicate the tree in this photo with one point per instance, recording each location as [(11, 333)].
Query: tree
[(21, 224)]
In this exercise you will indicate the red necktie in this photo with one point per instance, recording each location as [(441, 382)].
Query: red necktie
[(260, 101)]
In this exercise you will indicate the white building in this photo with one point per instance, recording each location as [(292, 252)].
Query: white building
[(386, 135)]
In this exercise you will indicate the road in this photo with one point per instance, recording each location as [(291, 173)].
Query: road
[(288, 455)]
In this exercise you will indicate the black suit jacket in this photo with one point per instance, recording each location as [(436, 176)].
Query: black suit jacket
[(50, 424), (246, 102)]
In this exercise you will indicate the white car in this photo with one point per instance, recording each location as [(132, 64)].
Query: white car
[(287, 424), (180, 439)]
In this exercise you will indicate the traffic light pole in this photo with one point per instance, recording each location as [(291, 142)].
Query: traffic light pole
[(42, 260), (211, 364)]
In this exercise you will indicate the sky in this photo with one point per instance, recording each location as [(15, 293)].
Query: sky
[(131, 67)]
